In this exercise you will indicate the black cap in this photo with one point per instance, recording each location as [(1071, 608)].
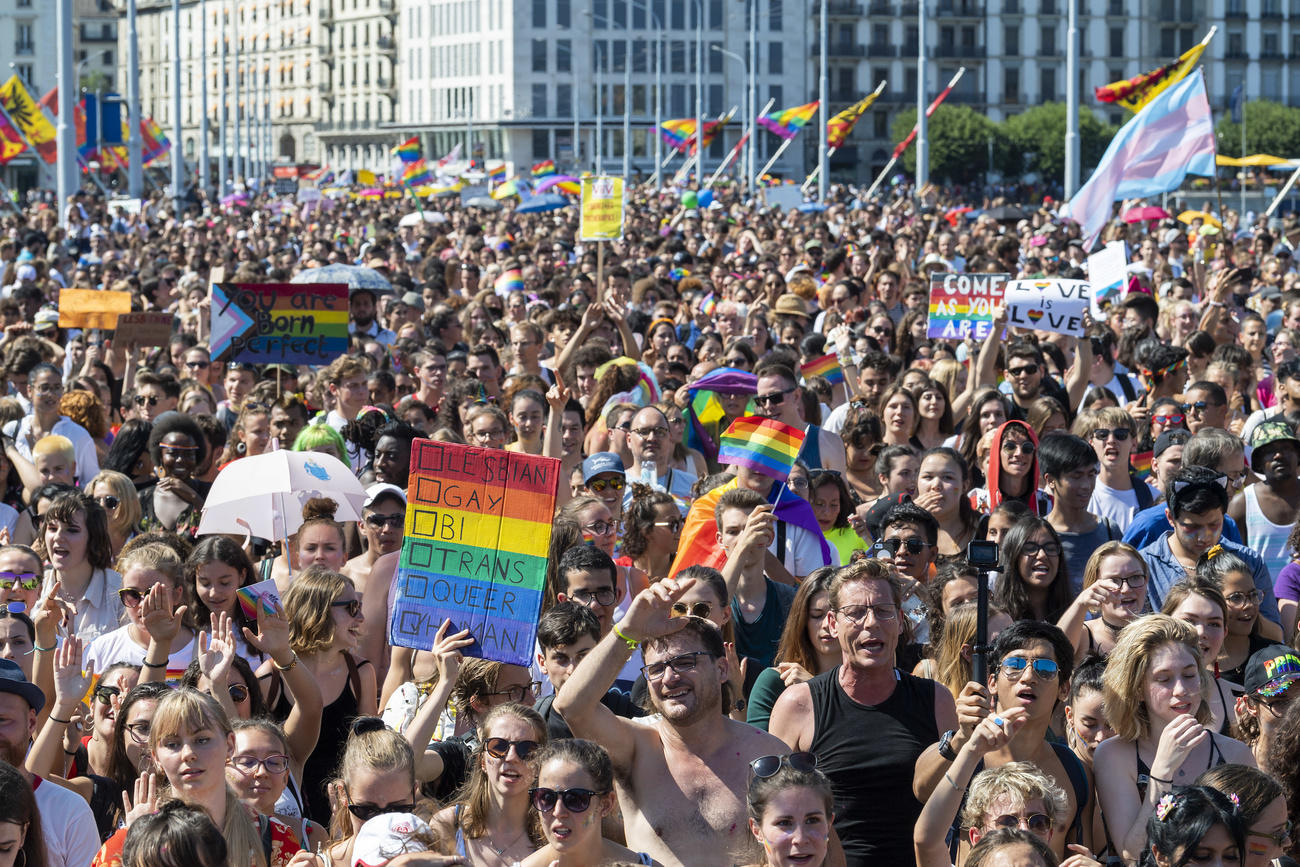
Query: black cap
[(13, 680), (1271, 671)]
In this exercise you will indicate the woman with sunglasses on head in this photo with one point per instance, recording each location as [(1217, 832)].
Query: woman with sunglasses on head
[(652, 528), (1154, 689), (790, 808), (324, 633), (159, 633), (493, 821), (77, 549), (573, 794), (1200, 604), (174, 502), (190, 742), (121, 502)]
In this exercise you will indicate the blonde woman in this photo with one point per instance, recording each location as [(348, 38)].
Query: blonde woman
[(950, 663), (190, 742), (117, 494), (1114, 593), (1153, 692)]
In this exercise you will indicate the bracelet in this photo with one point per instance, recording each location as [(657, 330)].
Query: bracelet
[(632, 644), (148, 664), (1153, 778), (948, 777), (45, 649), (63, 722), (70, 752), (288, 667)]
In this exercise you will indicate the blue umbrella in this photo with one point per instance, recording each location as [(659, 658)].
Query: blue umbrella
[(355, 276), (811, 208), (541, 204)]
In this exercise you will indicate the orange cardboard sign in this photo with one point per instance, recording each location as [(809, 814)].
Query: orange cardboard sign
[(144, 329), (91, 308)]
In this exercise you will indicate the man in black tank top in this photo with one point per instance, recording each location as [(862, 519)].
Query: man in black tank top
[(867, 722)]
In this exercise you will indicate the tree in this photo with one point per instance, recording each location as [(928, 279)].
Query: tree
[(958, 140), (1036, 140), (1271, 128)]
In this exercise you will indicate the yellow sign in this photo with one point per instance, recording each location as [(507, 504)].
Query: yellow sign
[(602, 209), (91, 308)]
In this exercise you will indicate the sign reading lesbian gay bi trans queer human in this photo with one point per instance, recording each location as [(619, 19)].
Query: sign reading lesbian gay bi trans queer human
[(961, 305), (478, 529)]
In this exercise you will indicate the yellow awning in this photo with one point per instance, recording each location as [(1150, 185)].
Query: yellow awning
[(1252, 160)]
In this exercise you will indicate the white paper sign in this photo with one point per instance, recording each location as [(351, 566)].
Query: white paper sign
[(1107, 275), (1057, 306)]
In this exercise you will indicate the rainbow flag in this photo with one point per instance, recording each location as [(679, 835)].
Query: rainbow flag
[(764, 445), (544, 168), (1141, 465), (827, 366), (497, 173), (788, 121), (509, 281), (409, 150), (416, 174), (709, 305), (506, 190)]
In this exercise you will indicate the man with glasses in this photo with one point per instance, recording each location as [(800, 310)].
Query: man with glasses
[(383, 519), (155, 394), (867, 721), (910, 535), (650, 441), (1030, 664), (691, 747), (1205, 405), (780, 397), (1025, 372), (586, 575), (759, 605)]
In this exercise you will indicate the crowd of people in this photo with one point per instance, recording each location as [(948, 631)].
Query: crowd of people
[(733, 666)]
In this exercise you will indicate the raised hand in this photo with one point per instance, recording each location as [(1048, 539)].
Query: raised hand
[(272, 637), (651, 612), (559, 395), (217, 651), (161, 621), (146, 798), (447, 647), (993, 732), (70, 682), (50, 614), (1177, 742), (972, 706)]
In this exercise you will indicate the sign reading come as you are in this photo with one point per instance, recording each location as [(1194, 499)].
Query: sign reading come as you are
[(478, 530)]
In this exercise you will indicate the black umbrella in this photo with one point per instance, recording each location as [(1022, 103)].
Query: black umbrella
[(1007, 213)]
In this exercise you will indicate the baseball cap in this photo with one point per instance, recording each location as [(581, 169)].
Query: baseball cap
[(1270, 671), (1175, 437), (45, 319), (26, 272), (13, 680), (601, 462), (382, 489), (876, 514), (388, 835), (1267, 433)]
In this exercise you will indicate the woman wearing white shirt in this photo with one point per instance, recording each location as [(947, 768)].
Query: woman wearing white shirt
[(151, 581), (78, 551)]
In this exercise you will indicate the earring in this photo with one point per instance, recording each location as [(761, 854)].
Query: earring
[(241, 448)]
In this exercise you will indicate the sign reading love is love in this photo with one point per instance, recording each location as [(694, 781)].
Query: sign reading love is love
[(1057, 306)]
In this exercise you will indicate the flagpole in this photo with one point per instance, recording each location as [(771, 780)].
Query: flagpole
[(1241, 218), (1218, 192), (831, 152), (822, 156), (67, 177), (922, 114), (1282, 195), (735, 152), (1072, 100), (902, 146), (776, 156)]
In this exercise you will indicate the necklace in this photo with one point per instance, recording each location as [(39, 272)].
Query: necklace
[(500, 853)]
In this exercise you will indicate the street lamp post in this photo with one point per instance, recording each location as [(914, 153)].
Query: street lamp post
[(178, 149), (204, 169), (699, 93), (135, 143), (749, 96)]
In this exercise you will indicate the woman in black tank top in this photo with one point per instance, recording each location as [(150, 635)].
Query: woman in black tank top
[(1201, 605)]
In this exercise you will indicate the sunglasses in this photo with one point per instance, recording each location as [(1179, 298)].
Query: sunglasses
[(1025, 447), (597, 486), (1120, 433), (1027, 370), (130, 596), (352, 606), (238, 692), (366, 812), (1046, 669), (767, 766), (23, 580), (108, 501), (673, 525), (379, 522), (104, 694), (574, 800), (198, 365), (600, 528), (1200, 406), (141, 400), (499, 748), (1035, 823), (1166, 420), (774, 397), (695, 609), (913, 546)]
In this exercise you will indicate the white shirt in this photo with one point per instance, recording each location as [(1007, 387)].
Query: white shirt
[(1119, 506), (87, 457), (119, 646), (100, 609), (803, 552), (71, 837)]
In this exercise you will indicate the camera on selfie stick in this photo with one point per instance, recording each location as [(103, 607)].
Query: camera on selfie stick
[(984, 557)]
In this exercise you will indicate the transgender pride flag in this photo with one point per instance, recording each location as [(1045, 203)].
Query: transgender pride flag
[(1172, 137)]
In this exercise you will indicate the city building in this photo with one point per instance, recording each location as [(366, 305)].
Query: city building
[(357, 81), (519, 81), (94, 44), (27, 49)]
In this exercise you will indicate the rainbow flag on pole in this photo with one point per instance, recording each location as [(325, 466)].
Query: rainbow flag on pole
[(409, 150), (765, 445), (788, 121), (417, 174), (827, 366), (497, 173), (508, 282), (544, 168)]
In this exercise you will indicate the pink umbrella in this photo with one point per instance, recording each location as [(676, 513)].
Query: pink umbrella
[(1144, 213)]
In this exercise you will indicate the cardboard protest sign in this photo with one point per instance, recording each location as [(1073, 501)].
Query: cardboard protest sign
[(602, 209), (478, 530), (279, 323), (961, 305), (144, 329), (1108, 276), (1057, 306), (91, 308)]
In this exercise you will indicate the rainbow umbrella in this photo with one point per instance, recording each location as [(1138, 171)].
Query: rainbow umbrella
[(566, 183)]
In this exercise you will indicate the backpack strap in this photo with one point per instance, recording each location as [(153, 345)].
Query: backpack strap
[(1079, 782), (1142, 491), (275, 690)]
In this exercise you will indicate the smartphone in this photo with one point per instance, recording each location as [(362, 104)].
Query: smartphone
[(982, 555)]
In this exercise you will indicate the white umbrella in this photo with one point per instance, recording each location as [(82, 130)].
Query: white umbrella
[(264, 494)]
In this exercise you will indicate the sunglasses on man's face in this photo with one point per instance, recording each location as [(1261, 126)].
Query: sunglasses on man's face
[(379, 522), (142, 399), (912, 546)]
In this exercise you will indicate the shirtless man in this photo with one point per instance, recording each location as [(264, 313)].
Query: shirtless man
[(681, 780), (383, 518)]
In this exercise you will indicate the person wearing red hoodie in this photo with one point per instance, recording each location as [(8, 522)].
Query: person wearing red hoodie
[(1012, 471)]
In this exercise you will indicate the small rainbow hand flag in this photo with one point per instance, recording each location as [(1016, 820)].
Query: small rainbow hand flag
[(827, 366), (409, 150), (508, 282), (498, 172), (1141, 464), (765, 445), (709, 305)]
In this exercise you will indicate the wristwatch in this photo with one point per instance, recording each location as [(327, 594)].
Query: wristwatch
[(945, 746)]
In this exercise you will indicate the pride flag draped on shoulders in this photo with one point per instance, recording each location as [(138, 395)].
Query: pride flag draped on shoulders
[(1151, 154)]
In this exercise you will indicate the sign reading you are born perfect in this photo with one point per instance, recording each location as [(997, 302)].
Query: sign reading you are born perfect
[(478, 530)]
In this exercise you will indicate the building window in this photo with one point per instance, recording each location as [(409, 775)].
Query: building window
[(539, 55), (677, 56), (677, 99), (599, 14), (1117, 42), (880, 124), (1168, 41), (563, 100), (1236, 45), (716, 57), (563, 55), (539, 14), (620, 54), (562, 14), (1011, 39), (641, 55), (1048, 40), (715, 15), (620, 14), (638, 16), (539, 100), (677, 15), (713, 105), (776, 58), (1047, 85), (776, 12), (1011, 86), (541, 143)]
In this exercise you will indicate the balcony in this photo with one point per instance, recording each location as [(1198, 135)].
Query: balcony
[(1011, 99), (387, 7), (840, 49), (906, 97), (908, 9), (387, 87), (966, 98), (960, 9), (843, 96), (1271, 54), (386, 45), (909, 49), (24, 48), (882, 49), (1273, 14), (843, 9), (1235, 10), (959, 51), (880, 9), (1011, 7), (1236, 54)]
